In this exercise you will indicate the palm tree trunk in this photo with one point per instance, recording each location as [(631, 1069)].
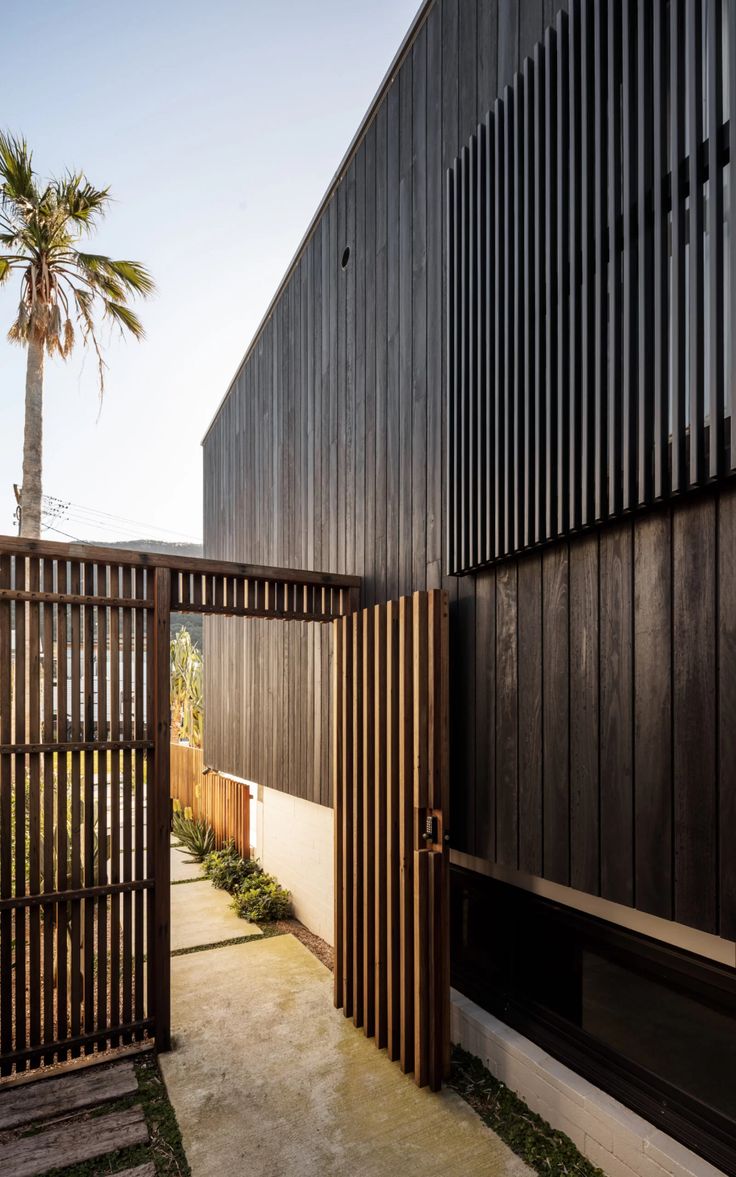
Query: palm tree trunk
[(30, 501)]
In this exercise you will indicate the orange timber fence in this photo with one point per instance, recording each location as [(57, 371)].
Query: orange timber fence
[(223, 803)]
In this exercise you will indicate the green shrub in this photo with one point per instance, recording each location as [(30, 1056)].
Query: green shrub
[(262, 899), (194, 834), (228, 870)]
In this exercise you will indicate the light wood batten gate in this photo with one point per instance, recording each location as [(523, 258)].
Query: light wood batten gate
[(391, 769)]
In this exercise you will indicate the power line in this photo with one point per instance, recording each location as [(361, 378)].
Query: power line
[(65, 510)]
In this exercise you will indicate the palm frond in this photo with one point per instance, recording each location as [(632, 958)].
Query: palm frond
[(95, 268), (5, 269), (124, 317), (16, 170), (79, 200), (115, 279), (134, 276)]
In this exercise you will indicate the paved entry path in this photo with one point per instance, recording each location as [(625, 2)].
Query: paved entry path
[(269, 1080)]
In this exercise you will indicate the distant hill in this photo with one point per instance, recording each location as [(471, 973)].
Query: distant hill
[(190, 621)]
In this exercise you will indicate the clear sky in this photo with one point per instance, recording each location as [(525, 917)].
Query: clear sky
[(218, 126)]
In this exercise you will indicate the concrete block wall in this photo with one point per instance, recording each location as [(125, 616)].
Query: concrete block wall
[(294, 841), (613, 1137)]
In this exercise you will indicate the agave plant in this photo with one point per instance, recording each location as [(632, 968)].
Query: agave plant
[(195, 835)]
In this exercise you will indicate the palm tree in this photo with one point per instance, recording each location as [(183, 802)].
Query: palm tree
[(62, 289)]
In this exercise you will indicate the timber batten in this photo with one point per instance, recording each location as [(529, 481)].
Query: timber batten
[(84, 780)]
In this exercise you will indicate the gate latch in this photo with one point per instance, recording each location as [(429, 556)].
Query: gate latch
[(429, 828)]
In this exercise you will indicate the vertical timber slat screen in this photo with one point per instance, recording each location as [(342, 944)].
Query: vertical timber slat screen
[(391, 770), (222, 802), (77, 857), (591, 313), (85, 780)]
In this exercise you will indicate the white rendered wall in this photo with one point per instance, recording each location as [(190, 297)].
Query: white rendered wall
[(294, 841)]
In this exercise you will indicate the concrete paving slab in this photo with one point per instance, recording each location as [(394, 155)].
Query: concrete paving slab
[(202, 915), (181, 870), (268, 1079)]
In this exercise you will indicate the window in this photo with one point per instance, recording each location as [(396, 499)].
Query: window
[(651, 1024)]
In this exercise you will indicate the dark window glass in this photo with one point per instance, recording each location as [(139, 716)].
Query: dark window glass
[(654, 1025), (662, 1028)]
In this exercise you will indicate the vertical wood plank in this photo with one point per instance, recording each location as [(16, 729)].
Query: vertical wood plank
[(507, 701), (602, 261), (19, 971), (357, 831), (696, 227), (420, 799), (660, 261), (62, 807), (694, 714), (346, 786), (158, 799), (530, 713), (485, 714), (380, 785), (101, 734), (563, 275), (585, 670), (556, 730), (499, 326), (614, 496), (367, 834), (550, 277), (716, 380), (678, 388), (406, 836), (727, 710), (653, 714), (539, 247), (139, 803), (629, 339), (393, 848), (6, 815), (49, 833), (616, 635), (34, 806)]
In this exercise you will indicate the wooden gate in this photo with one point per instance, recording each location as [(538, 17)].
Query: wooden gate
[(391, 842), (84, 779), (84, 806)]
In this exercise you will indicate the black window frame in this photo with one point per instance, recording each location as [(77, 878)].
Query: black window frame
[(699, 1127)]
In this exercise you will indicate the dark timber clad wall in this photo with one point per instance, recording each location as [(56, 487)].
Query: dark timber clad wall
[(594, 689)]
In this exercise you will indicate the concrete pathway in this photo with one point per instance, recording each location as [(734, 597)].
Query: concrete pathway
[(181, 870), (269, 1080), (201, 915)]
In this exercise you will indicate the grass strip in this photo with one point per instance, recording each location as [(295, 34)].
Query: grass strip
[(266, 934), (544, 1149)]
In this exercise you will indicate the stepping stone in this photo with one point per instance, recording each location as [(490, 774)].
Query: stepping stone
[(201, 915), (65, 1093), (181, 870), (73, 1142), (148, 1170)]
